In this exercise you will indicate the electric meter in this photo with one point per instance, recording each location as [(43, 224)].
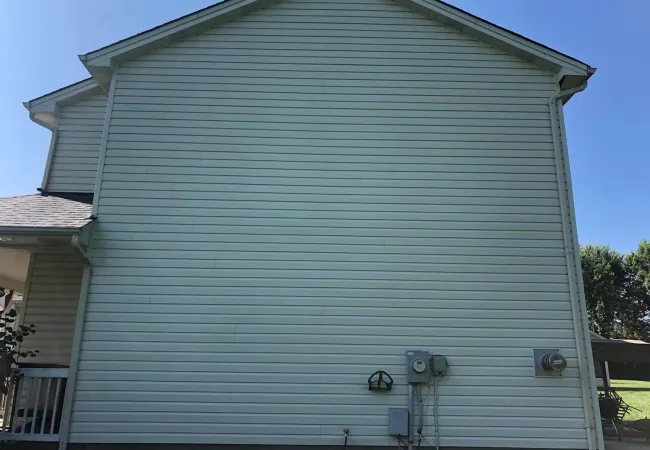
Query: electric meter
[(419, 366), (553, 361), (417, 369), (548, 362)]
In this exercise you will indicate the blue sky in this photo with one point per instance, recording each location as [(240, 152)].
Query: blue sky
[(607, 125)]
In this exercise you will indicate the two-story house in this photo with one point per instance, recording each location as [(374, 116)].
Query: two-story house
[(256, 215)]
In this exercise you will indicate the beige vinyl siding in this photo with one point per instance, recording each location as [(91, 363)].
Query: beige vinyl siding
[(76, 152), (51, 305), (291, 201)]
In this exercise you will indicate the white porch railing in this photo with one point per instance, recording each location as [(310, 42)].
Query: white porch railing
[(33, 405)]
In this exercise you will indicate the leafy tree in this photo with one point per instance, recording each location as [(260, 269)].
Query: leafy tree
[(602, 273), (639, 261), (617, 290), (11, 336)]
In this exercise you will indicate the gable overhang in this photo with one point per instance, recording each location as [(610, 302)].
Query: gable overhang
[(571, 72), (100, 63), (44, 110), (517, 45)]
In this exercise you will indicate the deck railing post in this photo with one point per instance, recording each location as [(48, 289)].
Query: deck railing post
[(47, 404), (16, 404), (36, 404), (56, 406), (30, 383), (8, 401), (25, 402)]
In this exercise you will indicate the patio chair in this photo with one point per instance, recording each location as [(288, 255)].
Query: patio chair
[(613, 410)]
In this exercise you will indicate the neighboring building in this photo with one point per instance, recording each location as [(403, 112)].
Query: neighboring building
[(248, 211)]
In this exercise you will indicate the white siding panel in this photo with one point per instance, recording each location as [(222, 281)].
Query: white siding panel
[(76, 152), (293, 200), (51, 305)]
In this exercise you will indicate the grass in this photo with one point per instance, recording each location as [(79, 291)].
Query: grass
[(637, 398)]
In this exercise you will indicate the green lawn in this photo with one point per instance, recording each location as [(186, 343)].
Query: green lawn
[(638, 399)]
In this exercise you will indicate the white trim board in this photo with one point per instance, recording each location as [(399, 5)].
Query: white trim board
[(101, 62)]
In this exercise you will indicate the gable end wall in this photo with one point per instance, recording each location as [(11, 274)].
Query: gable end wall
[(291, 201)]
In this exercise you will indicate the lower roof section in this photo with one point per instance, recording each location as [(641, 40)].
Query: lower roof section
[(41, 222), (40, 212)]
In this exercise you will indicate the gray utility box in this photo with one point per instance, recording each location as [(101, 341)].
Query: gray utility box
[(413, 358), (398, 421)]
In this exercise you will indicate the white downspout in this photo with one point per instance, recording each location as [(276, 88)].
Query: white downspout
[(572, 251), (79, 242)]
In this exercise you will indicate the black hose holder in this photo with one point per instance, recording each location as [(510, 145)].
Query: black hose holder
[(380, 381)]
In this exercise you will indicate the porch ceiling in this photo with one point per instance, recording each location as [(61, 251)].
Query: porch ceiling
[(13, 268)]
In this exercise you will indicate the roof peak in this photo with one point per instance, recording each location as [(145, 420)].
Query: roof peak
[(101, 62)]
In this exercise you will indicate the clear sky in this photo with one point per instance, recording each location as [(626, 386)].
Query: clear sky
[(608, 125)]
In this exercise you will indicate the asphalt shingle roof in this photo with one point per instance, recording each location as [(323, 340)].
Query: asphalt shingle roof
[(42, 211)]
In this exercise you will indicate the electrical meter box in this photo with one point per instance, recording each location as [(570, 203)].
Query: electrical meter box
[(439, 366), (417, 366)]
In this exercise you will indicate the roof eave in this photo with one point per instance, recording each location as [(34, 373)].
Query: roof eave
[(568, 82), (39, 231), (44, 110), (100, 63), (42, 238), (45, 119), (515, 44), (36, 238)]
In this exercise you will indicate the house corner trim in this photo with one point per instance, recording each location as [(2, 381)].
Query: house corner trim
[(104, 143), (572, 254)]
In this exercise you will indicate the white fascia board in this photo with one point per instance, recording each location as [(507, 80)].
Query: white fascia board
[(45, 109), (10, 232), (536, 54), (100, 63)]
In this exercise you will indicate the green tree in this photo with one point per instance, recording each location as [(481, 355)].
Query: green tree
[(617, 290), (639, 261), (602, 273)]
